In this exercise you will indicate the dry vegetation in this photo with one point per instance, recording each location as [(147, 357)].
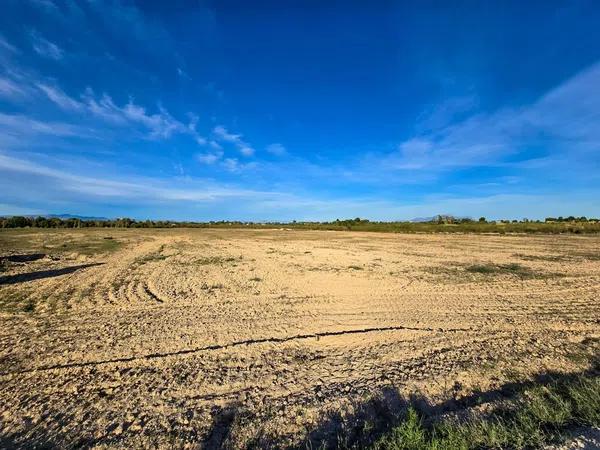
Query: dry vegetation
[(266, 338)]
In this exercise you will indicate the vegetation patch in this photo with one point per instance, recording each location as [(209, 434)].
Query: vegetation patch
[(217, 260), (150, 257), (87, 247), (535, 417), (549, 258), (14, 301), (504, 269), (460, 272), (56, 242), (590, 256), (154, 256)]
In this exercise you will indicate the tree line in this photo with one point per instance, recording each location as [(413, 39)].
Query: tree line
[(438, 223)]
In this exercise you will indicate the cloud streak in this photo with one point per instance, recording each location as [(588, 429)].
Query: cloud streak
[(17, 125), (6, 46), (160, 125), (276, 149), (221, 134), (44, 47), (200, 196), (11, 90), (563, 120), (142, 189)]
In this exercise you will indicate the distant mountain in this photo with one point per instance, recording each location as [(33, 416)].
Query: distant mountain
[(434, 218)]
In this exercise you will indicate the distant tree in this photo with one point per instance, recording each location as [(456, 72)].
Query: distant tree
[(18, 222), (40, 222), (482, 220)]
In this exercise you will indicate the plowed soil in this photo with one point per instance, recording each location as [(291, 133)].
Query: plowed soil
[(233, 338)]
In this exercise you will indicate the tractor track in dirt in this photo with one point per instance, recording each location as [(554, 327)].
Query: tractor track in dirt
[(271, 340)]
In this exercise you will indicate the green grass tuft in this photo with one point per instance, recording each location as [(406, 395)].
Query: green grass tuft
[(537, 416)]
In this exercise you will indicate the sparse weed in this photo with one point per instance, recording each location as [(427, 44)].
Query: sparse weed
[(29, 306), (536, 417), (156, 256), (215, 260), (590, 256), (518, 270), (549, 258), (511, 268), (14, 301), (210, 287)]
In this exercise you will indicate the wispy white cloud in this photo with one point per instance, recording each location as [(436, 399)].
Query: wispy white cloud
[(47, 5), (44, 47), (564, 120), (18, 125), (215, 153), (140, 188), (60, 98), (276, 149), (444, 113), (192, 126), (215, 145), (11, 90), (183, 74), (231, 164), (246, 150), (209, 158), (254, 204), (160, 125), (5, 45), (223, 135), (7, 209)]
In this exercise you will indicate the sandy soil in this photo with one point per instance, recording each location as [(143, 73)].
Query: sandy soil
[(581, 439), (186, 338)]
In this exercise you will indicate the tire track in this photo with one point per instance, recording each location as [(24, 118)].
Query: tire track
[(271, 340), (151, 294)]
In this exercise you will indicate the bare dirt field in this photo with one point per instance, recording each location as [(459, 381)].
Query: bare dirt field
[(240, 338)]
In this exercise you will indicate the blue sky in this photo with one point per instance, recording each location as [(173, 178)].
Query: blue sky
[(300, 110)]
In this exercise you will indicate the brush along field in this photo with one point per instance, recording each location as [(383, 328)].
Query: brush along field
[(236, 338)]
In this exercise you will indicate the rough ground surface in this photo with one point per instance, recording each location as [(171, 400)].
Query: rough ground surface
[(234, 338), (581, 439)]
